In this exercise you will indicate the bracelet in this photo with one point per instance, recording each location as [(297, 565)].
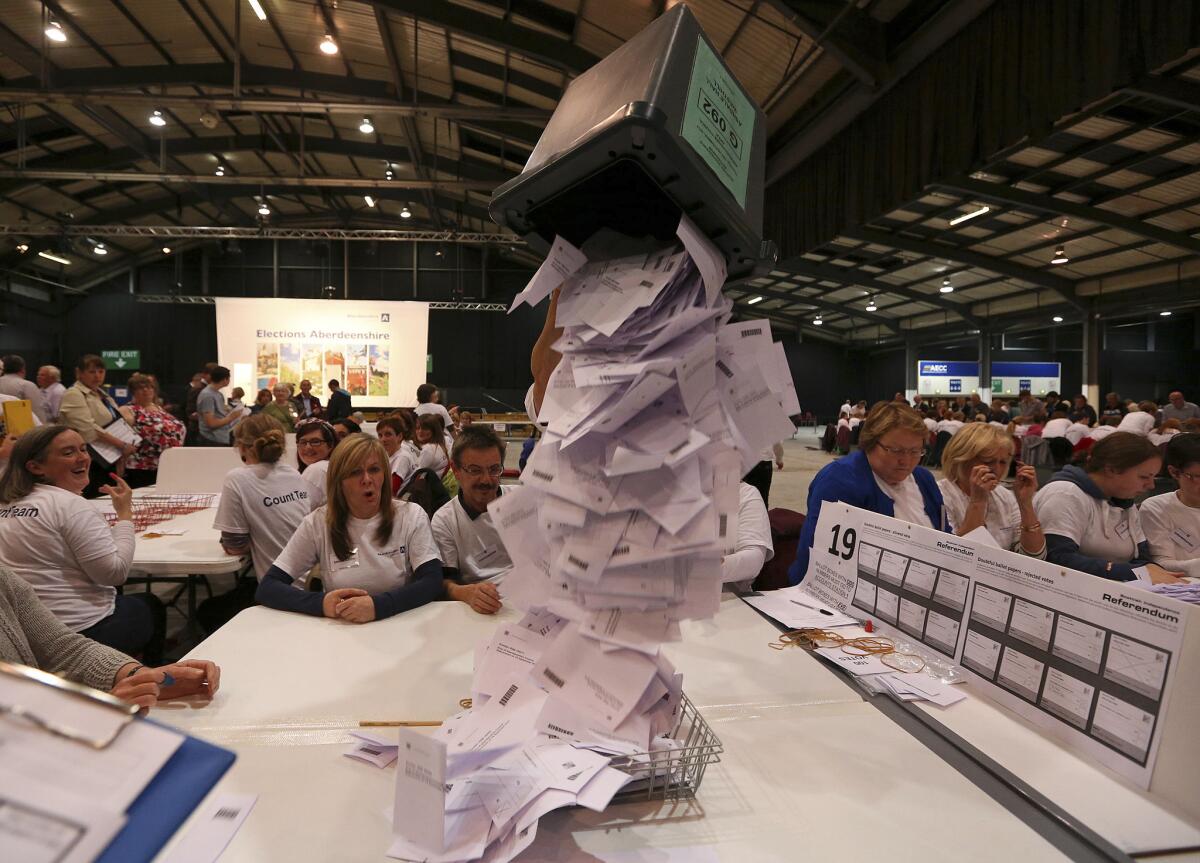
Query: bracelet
[(1028, 528), (135, 670)]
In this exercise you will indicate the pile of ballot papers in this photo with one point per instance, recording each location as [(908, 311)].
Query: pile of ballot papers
[(1183, 591), (656, 410)]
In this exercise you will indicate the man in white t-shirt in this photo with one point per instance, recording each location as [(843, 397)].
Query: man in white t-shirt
[(429, 402), (474, 559)]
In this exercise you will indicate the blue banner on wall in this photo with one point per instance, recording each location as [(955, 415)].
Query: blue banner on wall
[(1025, 370), (947, 369)]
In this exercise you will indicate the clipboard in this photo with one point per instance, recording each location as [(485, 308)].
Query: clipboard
[(167, 800), (18, 416)]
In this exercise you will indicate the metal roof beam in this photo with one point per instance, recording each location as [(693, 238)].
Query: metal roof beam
[(1045, 203), (769, 293), (933, 249), (857, 40), (1178, 92), (501, 32)]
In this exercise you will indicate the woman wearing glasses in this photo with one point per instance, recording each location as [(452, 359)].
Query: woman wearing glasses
[(882, 476), (315, 440), (473, 557), (262, 504), (1172, 520), (974, 462)]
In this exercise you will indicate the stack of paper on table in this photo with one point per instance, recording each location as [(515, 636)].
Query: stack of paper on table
[(656, 410)]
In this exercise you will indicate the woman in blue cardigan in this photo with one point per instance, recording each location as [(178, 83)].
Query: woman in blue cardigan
[(881, 476)]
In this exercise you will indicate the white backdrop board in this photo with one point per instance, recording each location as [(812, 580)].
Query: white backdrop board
[(1095, 664), (375, 349)]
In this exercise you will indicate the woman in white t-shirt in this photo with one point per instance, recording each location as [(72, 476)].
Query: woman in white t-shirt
[(1088, 515), (402, 459), (974, 463), (430, 436), (315, 440), (262, 504), (63, 547), (1172, 520), (377, 554)]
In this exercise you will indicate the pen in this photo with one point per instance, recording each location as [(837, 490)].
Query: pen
[(367, 723), (813, 607)]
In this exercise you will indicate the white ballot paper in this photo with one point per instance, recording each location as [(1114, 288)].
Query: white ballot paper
[(654, 411)]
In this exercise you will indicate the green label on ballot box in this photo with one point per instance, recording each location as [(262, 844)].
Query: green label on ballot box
[(122, 359), (719, 121)]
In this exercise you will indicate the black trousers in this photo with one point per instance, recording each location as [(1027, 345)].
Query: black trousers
[(137, 626), (218, 610), (760, 477)]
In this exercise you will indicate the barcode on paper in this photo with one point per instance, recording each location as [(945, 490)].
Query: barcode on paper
[(512, 690), (554, 678), (226, 813)]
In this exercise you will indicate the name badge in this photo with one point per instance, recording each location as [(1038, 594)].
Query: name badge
[(486, 555), (1183, 538), (352, 562)]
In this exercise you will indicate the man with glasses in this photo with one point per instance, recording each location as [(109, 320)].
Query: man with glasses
[(882, 476), (474, 559)]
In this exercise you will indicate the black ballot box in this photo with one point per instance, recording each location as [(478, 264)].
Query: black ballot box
[(658, 128)]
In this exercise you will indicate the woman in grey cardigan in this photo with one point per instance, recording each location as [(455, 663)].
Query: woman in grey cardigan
[(31, 635)]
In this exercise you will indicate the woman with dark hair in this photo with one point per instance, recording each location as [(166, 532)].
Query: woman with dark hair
[(430, 436), (377, 554), (315, 440), (62, 546), (393, 434), (1088, 517), (882, 476), (262, 504), (1172, 520), (158, 430), (345, 427)]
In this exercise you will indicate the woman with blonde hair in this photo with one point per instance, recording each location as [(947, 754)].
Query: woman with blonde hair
[(262, 504), (975, 462), (377, 554), (882, 476)]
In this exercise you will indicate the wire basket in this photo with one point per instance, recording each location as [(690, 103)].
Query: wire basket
[(152, 509), (672, 774)]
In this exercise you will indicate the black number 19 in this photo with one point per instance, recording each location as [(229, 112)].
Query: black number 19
[(847, 542)]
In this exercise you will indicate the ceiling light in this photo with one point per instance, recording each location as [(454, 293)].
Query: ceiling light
[(157, 118), (817, 321), (1060, 256), (946, 287), (388, 173), (220, 172), (438, 253), (365, 126), (55, 32), (166, 250), (965, 217), (328, 46), (23, 247), (405, 212), (1164, 314), (1057, 319), (258, 10), (871, 305), (100, 249), (754, 300), (263, 209), (370, 201), (52, 257)]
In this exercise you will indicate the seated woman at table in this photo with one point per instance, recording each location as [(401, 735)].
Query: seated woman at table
[(377, 554), (974, 462), (1172, 520), (158, 430), (430, 436), (262, 504), (882, 476), (315, 441), (402, 458), (1088, 512), (62, 546), (31, 635), (753, 547)]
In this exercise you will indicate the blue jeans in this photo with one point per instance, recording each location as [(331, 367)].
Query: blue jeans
[(137, 626)]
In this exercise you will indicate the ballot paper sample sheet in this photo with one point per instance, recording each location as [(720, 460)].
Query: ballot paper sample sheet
[(1090, 661)]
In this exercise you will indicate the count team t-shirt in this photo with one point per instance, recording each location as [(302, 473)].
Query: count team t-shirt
[(267, 501), (315, 475), (47, 536), (372, 566)]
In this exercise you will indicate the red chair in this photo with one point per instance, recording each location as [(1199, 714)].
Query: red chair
[(786, 525)]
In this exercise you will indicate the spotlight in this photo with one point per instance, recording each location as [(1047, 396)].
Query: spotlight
[(405, 212), (220, 172), (1057, 319), (52, 257), (258, 10), (1164, 314), (100, 249), (1060, 256), (817, 321), (23, 247), (263, 209), (871, 305), (55, 32), (754, 300), (166, 250), (328, 46), (388, 173), (365, 126), (946, 287), (370, 201), (438, 253), (157, 118)]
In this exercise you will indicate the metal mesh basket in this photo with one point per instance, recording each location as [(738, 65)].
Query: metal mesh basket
[(152, 509), (672, 774)]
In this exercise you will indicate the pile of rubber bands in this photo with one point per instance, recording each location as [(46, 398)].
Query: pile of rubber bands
[(866, 645)]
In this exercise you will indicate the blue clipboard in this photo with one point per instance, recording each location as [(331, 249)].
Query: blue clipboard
[(164, 804)]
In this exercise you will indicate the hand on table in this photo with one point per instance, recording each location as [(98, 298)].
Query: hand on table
[(1025, 483), (192, 677), (121, 495), (356, 609), (333, 597), (482, 597), (1158, 575)]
